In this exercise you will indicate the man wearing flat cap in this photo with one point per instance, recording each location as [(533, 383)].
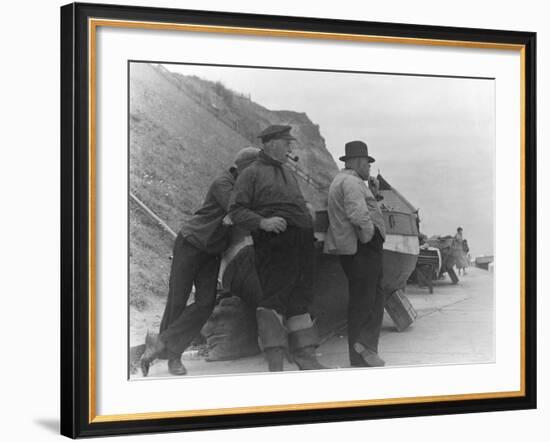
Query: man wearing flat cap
[(356, 233), (267, 201), (196, 261)]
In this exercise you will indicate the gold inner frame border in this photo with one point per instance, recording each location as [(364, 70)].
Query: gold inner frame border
[(93, 24)]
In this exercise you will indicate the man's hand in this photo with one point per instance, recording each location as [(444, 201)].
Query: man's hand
[(227, 221), (274, 224)]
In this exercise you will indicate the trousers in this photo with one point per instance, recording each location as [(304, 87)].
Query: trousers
[(181, 323), (285, 263), (363, 271)]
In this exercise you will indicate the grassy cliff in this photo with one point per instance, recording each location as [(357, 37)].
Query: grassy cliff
[(183, 132)]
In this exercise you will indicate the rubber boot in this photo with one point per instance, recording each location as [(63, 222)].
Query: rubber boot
[(275, 358), (303, 340), (306, 359), (273, 337)]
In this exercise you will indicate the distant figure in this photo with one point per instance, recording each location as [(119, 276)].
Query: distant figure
[(448, 258), (460, 251)]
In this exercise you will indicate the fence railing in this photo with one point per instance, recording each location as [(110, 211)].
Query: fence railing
[(153, 215)]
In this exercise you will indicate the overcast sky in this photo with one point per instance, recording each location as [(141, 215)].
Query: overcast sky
[(433, 138)]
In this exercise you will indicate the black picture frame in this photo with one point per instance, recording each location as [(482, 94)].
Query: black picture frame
[(77, 417)]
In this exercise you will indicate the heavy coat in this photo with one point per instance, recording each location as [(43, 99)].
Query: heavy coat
[(353, 213)]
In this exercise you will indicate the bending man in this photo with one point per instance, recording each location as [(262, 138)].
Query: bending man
[(196, 261)]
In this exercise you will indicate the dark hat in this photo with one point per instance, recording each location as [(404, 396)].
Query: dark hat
[(356, 149), (459, 228), (276, 132)]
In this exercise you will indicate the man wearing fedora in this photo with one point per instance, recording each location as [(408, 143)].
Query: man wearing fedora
[(267, 201), (356, 233), (196, 261)]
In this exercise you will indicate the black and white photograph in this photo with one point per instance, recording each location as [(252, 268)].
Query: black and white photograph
[(298, 219), (275, 221)]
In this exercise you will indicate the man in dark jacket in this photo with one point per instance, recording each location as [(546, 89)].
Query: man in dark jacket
[(196, 261), (267, 201)]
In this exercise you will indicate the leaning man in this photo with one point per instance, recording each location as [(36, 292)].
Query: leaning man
[(356, 233), (196, 261), (267, 201)]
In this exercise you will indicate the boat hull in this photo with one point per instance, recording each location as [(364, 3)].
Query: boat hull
[(399, 260), (330, 284), (397, 268)]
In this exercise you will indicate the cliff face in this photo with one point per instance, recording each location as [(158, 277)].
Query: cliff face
[(183, 132)]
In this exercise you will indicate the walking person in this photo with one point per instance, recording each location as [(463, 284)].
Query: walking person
[(460, 251), (196, 261), (267, 201), (357, 233)]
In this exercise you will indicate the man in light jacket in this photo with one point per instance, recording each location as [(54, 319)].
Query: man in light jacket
[(356, 233)]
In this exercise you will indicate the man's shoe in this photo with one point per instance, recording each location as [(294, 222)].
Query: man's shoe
[(306, 359), (370, 357), (176, 367), (145, 364), (153, 347)]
